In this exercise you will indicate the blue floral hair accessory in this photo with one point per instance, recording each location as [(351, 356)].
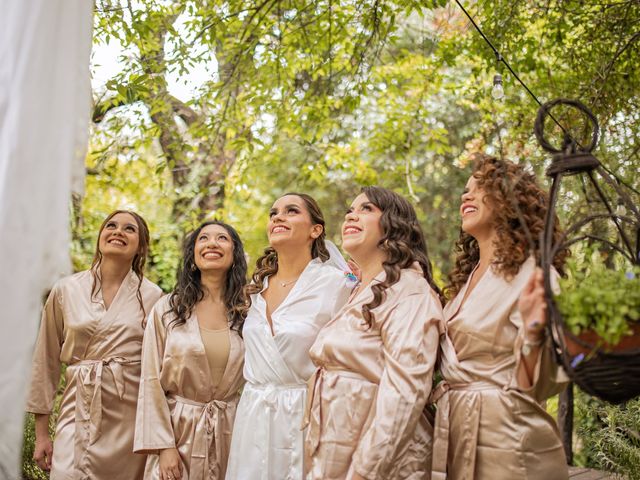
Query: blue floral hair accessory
[(351, 277)]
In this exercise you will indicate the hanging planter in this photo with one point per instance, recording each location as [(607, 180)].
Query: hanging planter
[(594, 320), (600, 308)]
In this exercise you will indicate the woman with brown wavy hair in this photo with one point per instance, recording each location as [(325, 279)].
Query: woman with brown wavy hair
[(376, 357), (495, 365), (93, 323), (296, 289), (192, 361)]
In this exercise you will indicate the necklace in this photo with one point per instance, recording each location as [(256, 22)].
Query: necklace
[(284, 284)]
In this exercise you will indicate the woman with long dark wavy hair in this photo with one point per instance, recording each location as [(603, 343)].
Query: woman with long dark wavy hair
[(376, 357), (495, 365), (296, 289), (192, 361), (93, 322)]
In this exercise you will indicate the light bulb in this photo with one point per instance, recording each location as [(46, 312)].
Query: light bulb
[(497, 92)]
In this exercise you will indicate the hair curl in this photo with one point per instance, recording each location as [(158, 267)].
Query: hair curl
[(188, 290), (509, 190), (402, 240), (267, 264), (137, 264)]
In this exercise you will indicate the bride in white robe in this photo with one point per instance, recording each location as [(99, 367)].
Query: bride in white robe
[(296, 290)]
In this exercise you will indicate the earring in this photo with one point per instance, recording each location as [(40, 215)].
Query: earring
[(194, 268)]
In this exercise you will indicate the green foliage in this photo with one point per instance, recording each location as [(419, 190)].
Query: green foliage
[(609, 436), (600, 298), (327, 97)]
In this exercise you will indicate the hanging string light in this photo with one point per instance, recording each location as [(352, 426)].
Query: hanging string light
[(535, 98), (497, 92)]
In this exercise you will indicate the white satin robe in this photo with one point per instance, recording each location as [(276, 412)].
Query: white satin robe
[(101, 348), (267, 441)]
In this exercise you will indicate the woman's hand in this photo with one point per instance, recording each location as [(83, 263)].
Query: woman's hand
[(43, 451), (170, 465), (533, 307)]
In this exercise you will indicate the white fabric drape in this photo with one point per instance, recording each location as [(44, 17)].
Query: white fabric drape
[(45, 98)]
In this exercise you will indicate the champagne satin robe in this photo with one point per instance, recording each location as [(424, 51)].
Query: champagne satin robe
[(267, 439), (101, 348), (486, 425), (178, 406), (366, 409)]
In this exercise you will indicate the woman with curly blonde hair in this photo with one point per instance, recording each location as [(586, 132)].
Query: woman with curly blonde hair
[(496, 365), (376, 357)]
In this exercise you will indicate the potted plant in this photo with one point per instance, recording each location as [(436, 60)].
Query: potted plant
[(600, 305)]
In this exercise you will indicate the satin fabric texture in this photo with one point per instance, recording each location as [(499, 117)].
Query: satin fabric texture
[(366, 409), (101, 348), (487, 426), (179, 406), (267, 441)]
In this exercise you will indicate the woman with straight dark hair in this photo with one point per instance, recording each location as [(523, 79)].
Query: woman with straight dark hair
[(192, 361), (296, 289), (375, 359), (93, 323)]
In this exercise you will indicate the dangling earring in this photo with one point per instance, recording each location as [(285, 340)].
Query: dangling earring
[(193, 267)]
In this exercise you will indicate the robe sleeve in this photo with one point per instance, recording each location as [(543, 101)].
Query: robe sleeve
[(548, 377), (410, 344), (153, 430), (45, 372)]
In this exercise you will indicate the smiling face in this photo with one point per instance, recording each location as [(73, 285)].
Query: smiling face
[(361, 229), (476, 211), (290, 224), (120, 237), (213, 249)]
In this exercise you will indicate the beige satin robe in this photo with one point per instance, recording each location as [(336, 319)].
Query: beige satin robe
[(178, 406), (94, 432), (367, 398), (487, 427)]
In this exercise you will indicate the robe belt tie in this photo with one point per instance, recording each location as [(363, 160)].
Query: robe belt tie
[(92, 377), (209, 423), (466, 447), (313, 409), (269, 395)]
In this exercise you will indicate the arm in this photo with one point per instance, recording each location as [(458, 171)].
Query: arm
[(410, 344), (153, 431), (536, 372), (533, 310), (45, 376)]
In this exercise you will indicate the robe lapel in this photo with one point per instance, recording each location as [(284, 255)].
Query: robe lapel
[(104, 317), (229, 377), (193, 330)]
